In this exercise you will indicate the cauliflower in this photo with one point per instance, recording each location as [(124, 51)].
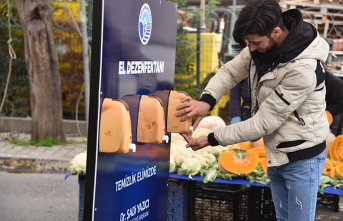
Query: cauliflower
[(78, 164), (179, 159), (179, 152), (201, 159), (172, 165), (190, 167), (223, 149), (174, 153), (187, 152), (211, 175), (217, 150), (209, 158), (175, 137), (200, 132), (180, 143)]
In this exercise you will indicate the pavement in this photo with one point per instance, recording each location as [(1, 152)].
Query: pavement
[(38, 159)]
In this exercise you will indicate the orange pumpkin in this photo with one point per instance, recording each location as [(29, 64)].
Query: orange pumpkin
[(241, 146), (260, 161), (245, 145), (325, 171), (339, 171), (328, 165), (261, 151), (329, 116), (264, 164), (335, 163), (228, 162), (256, 149), (235, 146), (333, 173), (336, 149)]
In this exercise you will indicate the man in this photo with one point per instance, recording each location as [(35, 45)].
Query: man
[(239, 103), (283, 62), (334, 100)]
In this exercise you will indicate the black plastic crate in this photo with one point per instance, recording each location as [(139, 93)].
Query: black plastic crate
[(328, 200), (218, 202), (261, 205)]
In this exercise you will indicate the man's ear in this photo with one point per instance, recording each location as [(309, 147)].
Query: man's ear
[(276, 32)]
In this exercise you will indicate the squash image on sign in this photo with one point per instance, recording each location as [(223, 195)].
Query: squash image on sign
[(151, 120), (174, 125), (115, 127)]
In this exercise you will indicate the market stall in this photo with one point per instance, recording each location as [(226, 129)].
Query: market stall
[(242, 191)]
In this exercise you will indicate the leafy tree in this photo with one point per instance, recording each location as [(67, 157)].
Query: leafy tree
[(185, 76), (42, 65), (17, 101), (195, 15)]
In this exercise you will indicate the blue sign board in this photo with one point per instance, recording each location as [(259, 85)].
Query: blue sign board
[(133, 60)]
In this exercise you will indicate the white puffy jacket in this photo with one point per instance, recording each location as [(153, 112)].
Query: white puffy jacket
[(288, 104)]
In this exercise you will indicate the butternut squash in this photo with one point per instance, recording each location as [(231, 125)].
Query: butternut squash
[(229, 163)]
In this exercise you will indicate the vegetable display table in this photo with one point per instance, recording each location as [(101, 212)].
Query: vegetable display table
[(251, 205), (329, 189)]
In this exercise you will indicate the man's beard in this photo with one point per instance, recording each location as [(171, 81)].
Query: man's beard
[(272, 46)]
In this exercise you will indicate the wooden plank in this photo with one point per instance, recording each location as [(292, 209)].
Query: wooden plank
[(328, 15), (311, 4), (320, 22), (326, 28), (332, 2), (323, 11)]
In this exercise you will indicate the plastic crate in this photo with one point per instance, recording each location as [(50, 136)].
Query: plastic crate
[(261, 206), (218, 202), (82, 184), (177, 209), (330, 201)]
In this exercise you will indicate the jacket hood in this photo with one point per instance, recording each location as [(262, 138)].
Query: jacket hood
[(302, 41), (300, 35)]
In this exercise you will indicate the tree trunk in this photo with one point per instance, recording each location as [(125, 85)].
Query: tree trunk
[(42, 65)]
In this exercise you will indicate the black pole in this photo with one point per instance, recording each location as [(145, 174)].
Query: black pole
[(90, 17)]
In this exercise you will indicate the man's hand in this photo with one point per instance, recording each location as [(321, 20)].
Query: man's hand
[(192, 108), (196, 144)]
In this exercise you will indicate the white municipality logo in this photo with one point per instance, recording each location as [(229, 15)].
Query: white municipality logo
[(144, 24)]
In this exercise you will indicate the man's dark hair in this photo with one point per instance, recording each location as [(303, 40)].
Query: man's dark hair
[(258, 17)]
